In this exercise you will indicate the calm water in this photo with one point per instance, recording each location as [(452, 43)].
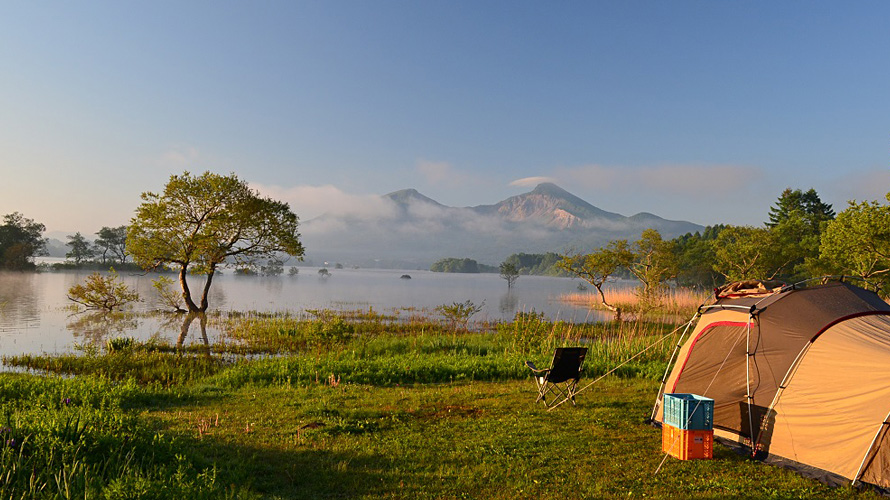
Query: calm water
[(35, 314)]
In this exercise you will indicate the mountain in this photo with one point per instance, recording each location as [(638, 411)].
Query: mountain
[(408, 229), (551, 206)]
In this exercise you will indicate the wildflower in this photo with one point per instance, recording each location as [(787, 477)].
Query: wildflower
[(66, 401)]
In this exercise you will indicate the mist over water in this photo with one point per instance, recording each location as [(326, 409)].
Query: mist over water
[(36, 315)]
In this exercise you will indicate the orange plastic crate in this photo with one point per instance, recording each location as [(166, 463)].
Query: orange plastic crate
[(687, 444)]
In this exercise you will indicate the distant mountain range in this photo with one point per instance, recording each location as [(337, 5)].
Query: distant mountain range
[(410, 230)]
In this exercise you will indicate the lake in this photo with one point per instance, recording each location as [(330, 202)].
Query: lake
[(36, 315)]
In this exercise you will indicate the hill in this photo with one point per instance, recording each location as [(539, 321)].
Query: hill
[(414, 230)]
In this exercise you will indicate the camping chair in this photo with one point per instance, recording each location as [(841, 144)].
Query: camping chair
[(561, 379)]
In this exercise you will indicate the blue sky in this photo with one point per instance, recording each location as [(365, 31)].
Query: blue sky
[(693, 110)]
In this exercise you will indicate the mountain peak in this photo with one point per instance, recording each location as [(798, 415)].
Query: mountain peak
[(551, 189), (406, 196)]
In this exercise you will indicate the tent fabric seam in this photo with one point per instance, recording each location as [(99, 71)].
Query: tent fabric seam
[(695, 340), (846, 318)]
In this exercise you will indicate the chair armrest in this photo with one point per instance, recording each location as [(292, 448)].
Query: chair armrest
[(534, 368)]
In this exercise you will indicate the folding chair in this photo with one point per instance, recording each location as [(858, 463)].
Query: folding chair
[(561, 379)]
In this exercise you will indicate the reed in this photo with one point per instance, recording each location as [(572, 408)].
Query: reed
[(681, 302)]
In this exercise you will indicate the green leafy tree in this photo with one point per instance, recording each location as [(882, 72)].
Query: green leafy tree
[(857, 242), (806, 204), (103, 292), (274, 267), (111, 244), (696, 257), (458, 314), (599, 266), (509, 273), (796, 222), (168, 294), (536, 264), (654, 263), (454, 265), (745, 252), (81, 251), (21, 239), (199, 223)]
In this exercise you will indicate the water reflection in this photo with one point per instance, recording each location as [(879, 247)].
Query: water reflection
[(35, 315), (19, 299), (97, 326), (508, 304), (186, 325)]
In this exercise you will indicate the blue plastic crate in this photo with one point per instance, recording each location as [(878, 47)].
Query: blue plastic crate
[(689, 411)]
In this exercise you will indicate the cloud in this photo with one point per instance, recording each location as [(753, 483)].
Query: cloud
[(533, 181), (686, 180), (312, 201)]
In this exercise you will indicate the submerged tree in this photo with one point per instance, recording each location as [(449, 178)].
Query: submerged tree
[(509, 273), (106, 293), (199, 223)]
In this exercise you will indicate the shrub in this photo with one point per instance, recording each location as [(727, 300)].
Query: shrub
[(103, 292), (458, 314)]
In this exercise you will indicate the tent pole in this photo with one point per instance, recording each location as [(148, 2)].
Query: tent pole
[(868, 451), (748, 384), (667, 369)]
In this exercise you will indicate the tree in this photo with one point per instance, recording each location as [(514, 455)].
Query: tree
[(111, 244), (509, 273), (695, 258), (745, 252), (199, 223), (654, 263), (807, 204), (458, 314), (796, 222), (21, 239), (454, 265), (103, 292), (598, 266), (857, 242), (80, 249), (167, 293), (274, 267)]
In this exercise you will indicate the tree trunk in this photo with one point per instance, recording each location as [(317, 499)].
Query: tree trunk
[(616, 310), (206, 292), (186, 293)]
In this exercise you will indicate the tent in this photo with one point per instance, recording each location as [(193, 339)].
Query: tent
[(800, 376)]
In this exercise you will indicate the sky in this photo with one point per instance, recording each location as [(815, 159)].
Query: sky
[(693, 110)]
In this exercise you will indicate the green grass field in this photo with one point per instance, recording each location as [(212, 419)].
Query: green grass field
[(356, 413)]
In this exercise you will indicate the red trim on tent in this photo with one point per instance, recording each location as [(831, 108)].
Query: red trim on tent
[(702, 332), (845, 318)]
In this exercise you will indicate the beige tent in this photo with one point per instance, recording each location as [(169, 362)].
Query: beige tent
[(800, 375)]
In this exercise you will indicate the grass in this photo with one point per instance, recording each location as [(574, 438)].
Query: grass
[(356, 406)]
